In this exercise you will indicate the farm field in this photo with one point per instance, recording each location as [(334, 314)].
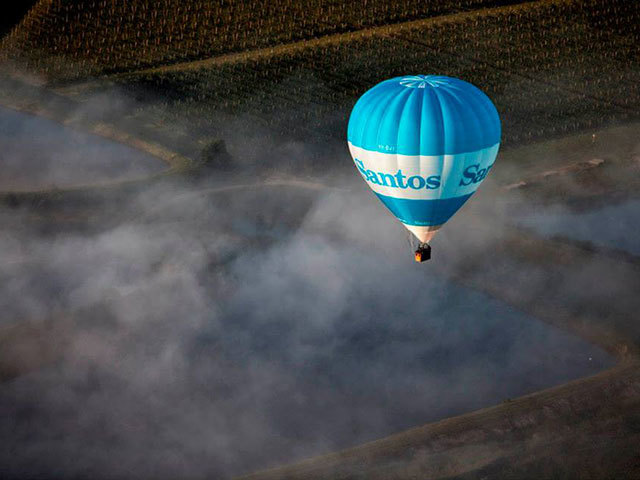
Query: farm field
[(547, 78), (132, 35)]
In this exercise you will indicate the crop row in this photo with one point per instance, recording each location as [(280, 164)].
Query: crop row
[(76, 38), (546, 76)]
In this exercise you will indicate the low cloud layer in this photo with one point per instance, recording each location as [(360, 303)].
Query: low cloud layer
[(212, 333), (201, 346)]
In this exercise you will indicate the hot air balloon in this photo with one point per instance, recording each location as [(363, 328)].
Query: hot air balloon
[(424, 143)]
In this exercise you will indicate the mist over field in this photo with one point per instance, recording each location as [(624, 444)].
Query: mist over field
[(37, 153), (195, 281), (615, 226), (208, 333)]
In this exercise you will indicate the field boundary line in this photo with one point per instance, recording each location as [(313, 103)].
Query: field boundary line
[(339, 463), (173, 161)]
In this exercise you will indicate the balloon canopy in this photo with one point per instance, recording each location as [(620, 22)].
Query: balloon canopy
[(424, 143)]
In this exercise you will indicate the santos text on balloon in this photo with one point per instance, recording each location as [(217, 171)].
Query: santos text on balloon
[(474, 174), (397, 180)]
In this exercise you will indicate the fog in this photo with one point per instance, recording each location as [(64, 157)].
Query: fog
[(615, 226), (37, 153), (210, 332)]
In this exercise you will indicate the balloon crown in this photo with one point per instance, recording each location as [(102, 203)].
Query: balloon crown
[(421, 81)]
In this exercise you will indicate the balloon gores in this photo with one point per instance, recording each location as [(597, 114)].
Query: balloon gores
[(424, 144)]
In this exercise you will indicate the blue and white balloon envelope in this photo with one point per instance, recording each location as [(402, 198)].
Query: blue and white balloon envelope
[(424, 143)]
